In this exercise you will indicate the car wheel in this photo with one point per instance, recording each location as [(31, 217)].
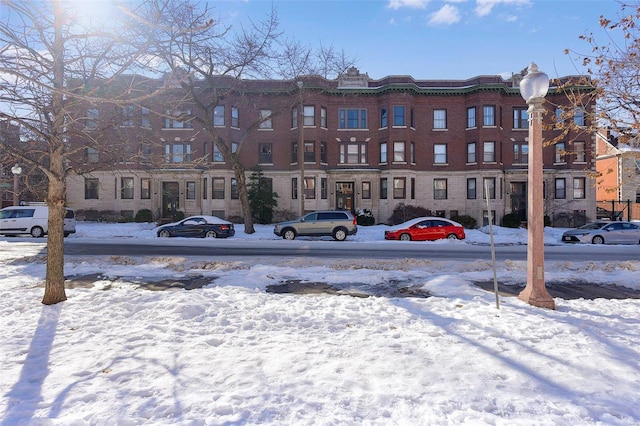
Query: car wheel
[(289, 234), (164, 233), (597, 240), (452, 237), (211, 234), (340, 234), (405, 237), (37, 232)]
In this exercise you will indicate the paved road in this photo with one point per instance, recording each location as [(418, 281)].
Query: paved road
[(345, 250)]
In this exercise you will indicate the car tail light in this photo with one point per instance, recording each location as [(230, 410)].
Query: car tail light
[(224, 226), (355, 221)]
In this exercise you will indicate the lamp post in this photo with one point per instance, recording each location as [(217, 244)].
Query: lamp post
[(300, 85), (16, 170), (533, 88)]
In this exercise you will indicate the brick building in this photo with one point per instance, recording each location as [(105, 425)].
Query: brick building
[(368, 144)]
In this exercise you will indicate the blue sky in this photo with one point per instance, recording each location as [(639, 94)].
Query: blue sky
[(431, 39)]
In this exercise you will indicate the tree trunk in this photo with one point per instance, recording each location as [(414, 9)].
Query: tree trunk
[(54, 287), (54, 291), (238, 170)]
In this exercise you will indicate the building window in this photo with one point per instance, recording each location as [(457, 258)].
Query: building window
[(489, 152), (399, 188), (309, 118), (145, 121), (440, 153), (294, 117), (265, 119), (384, 117), (323, 188), (413, 188), (579, 117), (92, 118), (353, 153), (309, 152), (294, 188), (579, 188), (126, 188), (489, 185), (366, 190), (398, 152), (399, 116), (91, 188), (177, 120), (471, 117), (218, 116), (217, 188), (145, 189), (145, 152), (412, 153), (471, 189), (383, 188), (352, 119), (265, 154), (560, 189), (91, 155), (439, 118), (383, 152), (191, 190), (520, 153), (217, 154), (127, 116), (323, 117), (489, 115), (439, 189), (205, 189), (323, 152), (471, 152), (412, 117), (580, 153), (310, 187), (520, 118), (234, 189), (177, 153), (235, 117), (559, 117), (560, 152)]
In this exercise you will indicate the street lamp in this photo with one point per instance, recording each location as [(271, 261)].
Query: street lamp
[(300, 85), (533, 88), (16, 170)]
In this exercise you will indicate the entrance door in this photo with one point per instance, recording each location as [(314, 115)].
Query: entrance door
[(519, 199), (170, 198), (344, 196)]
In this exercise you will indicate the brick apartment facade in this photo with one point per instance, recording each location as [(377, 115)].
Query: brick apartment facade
[(369, 144)]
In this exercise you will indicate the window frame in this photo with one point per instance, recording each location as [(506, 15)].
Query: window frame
[(399, 188), (126, 188), (439, 122), (440, 158), (440, 188)]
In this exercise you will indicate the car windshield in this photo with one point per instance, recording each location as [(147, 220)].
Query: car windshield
[(595, 225)]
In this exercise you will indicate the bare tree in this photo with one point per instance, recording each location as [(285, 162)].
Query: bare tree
[(48, 54), (210, 59), (614, 65)]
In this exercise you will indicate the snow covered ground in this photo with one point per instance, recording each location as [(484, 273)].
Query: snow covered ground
[(230, 353)]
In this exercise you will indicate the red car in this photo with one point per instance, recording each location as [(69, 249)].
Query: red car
[(426, 229)]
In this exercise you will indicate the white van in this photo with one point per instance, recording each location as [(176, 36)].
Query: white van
[(32, 219)]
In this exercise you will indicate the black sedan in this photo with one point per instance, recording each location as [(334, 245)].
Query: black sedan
[(199, 227)]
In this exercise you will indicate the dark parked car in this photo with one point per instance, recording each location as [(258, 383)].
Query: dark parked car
[(426, 229), (334, 223), (604, 232), (199, 227)]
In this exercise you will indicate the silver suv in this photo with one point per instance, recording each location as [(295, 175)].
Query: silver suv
[(334, 223)]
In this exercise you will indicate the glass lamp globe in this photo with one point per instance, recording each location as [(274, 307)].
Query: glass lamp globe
[(535, 84)]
